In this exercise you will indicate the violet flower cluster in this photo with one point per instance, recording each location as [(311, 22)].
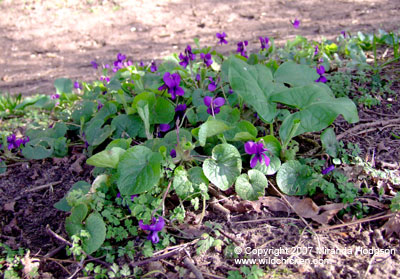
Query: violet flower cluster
[(213, 104), (171, 83), (264, 43), (154, 228), (213, 84), (187, 57), (258, 149), (120, 63), (14, 143), (206, 58), (321, 71), (221, 37), (241, 48)]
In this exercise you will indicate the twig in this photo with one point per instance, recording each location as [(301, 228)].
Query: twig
[(230, 237), (381, 114), (152, 259), (266, 219), (189, 264), (367, 125), (79, 268), (63, 240), (163, 200), (41, 187), (368, 219), (55, 251), (184, 245), (369, 265)]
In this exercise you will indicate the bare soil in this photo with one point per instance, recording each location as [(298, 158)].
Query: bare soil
[(44, 40)]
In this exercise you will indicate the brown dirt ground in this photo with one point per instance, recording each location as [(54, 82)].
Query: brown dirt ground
[(44, 40)]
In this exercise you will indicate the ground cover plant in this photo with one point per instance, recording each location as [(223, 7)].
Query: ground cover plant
[(240, 133)]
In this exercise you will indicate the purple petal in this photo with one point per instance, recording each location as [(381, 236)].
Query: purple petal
[(296, 23), (216, 110), (153, 237), (177, 78), (219, 102), (181, 107), (143, 226), (266, 159), (165, 127), (168, 80), (212, 86), (133, 197), (209, 111), (328, 169), (179, 91), (250, 147), (321, 70), (207, 101), (173, 153), (253, 161), (159, 225), (322, 79)]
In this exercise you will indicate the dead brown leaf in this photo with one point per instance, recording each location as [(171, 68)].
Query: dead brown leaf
[(392, 226), (306, 208), (274, 204)]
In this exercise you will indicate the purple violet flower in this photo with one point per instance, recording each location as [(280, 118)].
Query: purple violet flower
[(173, 153), (165, 127), (213, 105), (316, 51), (207, 59), (213, 84), (189, 53), (296, 23), (55, 96), (141, 64), (77, 85), (221, 37), (184, 60), (99, 105), (133, 197), (328, 169), (264, 43), (94, 64), (321, 71), (153, 67), (230, 91), (171, 82), (241, 48), (155, 227), (105, 78), (13, 142), (198, 77), (343, 33), (258, 149), (180, 111)]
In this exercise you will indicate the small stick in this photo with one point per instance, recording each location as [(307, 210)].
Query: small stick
[(152, 259), (55, 251), (266, 219), (62, 239), (41, 187), (367, 125), (368, 219), (189, 264)]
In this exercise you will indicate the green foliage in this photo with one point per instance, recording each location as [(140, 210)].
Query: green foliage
[(224, 166), (251, 186)]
